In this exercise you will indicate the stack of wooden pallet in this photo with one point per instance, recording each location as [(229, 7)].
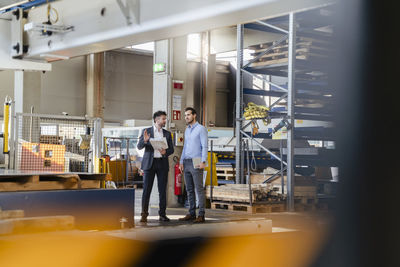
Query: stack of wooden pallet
[(24, 182), (306, 48), (237, 197), (305, 192), (225, 172)]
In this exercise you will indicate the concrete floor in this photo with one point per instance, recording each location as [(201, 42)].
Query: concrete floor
[(280, 220), (228, 238)]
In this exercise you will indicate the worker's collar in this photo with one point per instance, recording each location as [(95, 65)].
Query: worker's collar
[(193, 125), (156, 128)]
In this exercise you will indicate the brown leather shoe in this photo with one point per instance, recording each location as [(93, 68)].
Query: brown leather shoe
[(199, 219), (143, 219), (188, 217)]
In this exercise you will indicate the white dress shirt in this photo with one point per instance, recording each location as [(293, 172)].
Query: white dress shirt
[(158, 134)]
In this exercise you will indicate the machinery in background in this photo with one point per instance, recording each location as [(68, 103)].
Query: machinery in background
[(271, 133), (6, 131), (120, 145), (49, 143)]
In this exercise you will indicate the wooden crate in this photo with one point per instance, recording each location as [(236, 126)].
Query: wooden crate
[(47, 182)]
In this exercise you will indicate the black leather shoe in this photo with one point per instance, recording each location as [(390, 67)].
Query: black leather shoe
[(164, 219), (188, 217), (143, 219)]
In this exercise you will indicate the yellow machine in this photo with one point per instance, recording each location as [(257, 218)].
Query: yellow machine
[(214, 162), (7, 104)]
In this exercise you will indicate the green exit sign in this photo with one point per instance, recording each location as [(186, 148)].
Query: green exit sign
[(159, 67)]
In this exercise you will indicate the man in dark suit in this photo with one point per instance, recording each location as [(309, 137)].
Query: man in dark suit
[(155, 162)]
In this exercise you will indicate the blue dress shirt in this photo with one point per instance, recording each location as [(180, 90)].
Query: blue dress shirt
[(196, 143)]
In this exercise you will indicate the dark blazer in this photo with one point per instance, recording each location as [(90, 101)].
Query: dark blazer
[(148, 156)]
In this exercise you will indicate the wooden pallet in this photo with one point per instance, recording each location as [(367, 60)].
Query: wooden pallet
[(306, 49), (227, 173), (305, 203), (255, 208), (284, 55), (285, 60), (303, 47), (300, 42), (240, 193), (49, 182)]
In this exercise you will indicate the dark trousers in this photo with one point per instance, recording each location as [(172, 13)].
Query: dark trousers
[(194, 187), (148, 180)]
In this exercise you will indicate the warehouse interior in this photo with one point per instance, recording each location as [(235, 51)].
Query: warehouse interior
[(287, 91)]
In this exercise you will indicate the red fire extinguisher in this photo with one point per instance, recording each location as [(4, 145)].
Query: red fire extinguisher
[(178, 178)]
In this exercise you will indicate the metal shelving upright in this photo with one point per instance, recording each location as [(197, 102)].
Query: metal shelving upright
[(289, 70)]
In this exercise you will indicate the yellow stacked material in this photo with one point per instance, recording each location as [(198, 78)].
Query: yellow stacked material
[(215, 160), (253, 111)]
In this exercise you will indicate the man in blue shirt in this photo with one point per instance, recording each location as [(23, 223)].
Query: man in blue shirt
[(195, 148)]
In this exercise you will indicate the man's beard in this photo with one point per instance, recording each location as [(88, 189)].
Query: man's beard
[(189, 122)]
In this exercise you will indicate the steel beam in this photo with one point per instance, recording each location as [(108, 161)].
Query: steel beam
[(102, 26), (291, 99), (272, 26), (239, 156), (263, 147), (265, 80), (278, 100)]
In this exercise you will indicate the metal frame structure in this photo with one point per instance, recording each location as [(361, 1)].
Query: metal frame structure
[(284, 94), (95, 142), (288, 94)]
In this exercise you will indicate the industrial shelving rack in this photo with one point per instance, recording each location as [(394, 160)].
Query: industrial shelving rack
[(306, 79)]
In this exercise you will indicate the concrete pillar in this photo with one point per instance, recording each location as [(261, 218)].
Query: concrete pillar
[(95, 85), (173, 53), (19, 90), (162, 80), (27, 91), (211, 91), (208, 62), (32, 91), (180, 73)]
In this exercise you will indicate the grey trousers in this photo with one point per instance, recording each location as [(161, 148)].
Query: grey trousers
[(194, 186)]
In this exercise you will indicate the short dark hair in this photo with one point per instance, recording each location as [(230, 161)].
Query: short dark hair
[(158, 114), (191, 109)]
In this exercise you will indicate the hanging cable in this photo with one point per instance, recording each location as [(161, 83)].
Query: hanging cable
[(49, 11), (253, 163)]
